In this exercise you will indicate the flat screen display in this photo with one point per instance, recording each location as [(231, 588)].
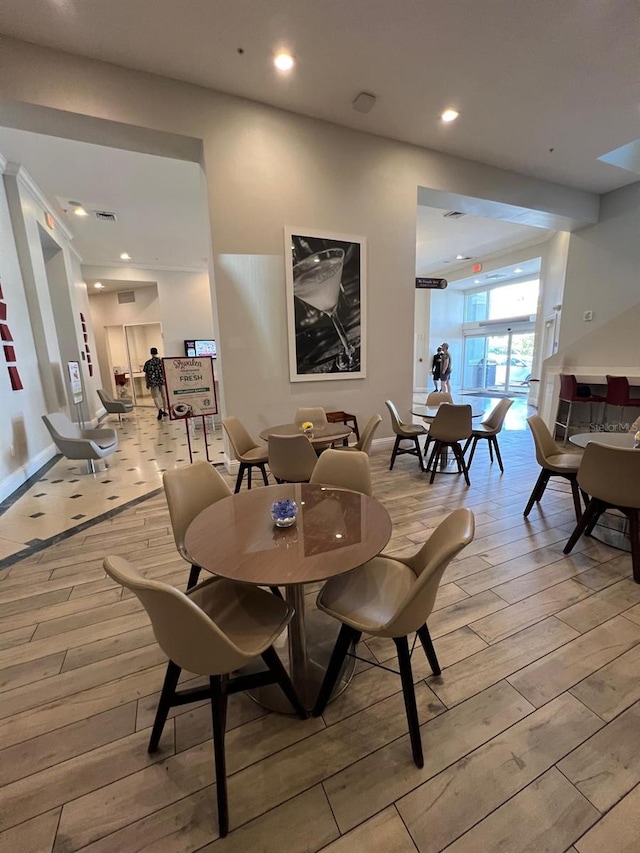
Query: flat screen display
[(193, 348)]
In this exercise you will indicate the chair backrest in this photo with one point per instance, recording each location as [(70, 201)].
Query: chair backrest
[(617, 390), (183, 630), (611, 474), (437, 398), (396, 423), (543, 440), (451, 423), (60, 427), (292, 458), (495, 418), (189, 490), (635, 426), (344, 470), (447, 540), (241, 441), (366, 436), (105, 397), (314, 414), (568, 387)]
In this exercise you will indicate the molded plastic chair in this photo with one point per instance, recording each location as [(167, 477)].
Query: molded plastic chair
[(437, 398), (217, 627), (291, 458), (489, 429), (247, 451), (618, 392), (351, 471), (314, 414), (365, 440), (189, 490), (611, 476), (389, 597), (120, 407), (76, 443), (451, 425), (404, 432), (554, 462), (569, 394)]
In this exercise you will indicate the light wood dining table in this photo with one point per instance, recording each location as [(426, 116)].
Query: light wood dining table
[(336, 530)]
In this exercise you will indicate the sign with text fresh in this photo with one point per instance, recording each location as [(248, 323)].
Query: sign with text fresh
[(190, 387)]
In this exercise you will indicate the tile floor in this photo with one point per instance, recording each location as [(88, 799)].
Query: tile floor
[(530, 733)]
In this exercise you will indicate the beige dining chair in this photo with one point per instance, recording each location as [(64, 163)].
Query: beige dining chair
[(611, 478), (451, 425), (489, 429), (247, 451), (554, 461), (390, 597), (347, 471), (291, 458), (404, 432), (189, 490), (216, 628), (437, 398), (314, 414), (366, 437)]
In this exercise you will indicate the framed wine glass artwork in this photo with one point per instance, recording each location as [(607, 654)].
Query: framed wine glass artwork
[(326, 305)]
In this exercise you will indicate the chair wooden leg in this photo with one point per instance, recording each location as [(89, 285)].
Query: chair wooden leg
[(406, 675), (634, 534), (591, 512), (592, 523), (263, 470), (394, 452), (575, 493), (493, 440), (194, 574), (239, 478), (168, 691), (270, 657), (541, 483), (218, 720), (346, 637), (543, 486), (430, 652)]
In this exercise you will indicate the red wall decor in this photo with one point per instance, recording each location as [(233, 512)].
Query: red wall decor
[(9, 351)]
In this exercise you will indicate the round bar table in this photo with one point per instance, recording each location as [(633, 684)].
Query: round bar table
[(336, 530), (320, 438)]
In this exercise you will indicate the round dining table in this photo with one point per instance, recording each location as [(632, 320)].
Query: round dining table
[(611, 439), (320, 436), (335, 531)]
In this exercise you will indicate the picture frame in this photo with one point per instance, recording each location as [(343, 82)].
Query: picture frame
[(326, 304)]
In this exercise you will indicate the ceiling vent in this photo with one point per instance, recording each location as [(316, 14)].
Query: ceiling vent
[(495, 276), (105, 215), (125, 296), (454, 214)]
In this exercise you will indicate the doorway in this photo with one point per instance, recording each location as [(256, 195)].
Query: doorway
[(128, 349), (499, 363)]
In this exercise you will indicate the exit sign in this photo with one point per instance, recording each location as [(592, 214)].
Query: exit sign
[(477, 268), (48, 218)]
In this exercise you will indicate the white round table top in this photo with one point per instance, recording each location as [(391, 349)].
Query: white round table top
[(611, 439)]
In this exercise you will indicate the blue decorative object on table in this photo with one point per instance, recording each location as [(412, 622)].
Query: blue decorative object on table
[(284, 512)]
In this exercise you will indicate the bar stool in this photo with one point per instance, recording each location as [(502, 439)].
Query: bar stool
[(618, 395), (569, 394)]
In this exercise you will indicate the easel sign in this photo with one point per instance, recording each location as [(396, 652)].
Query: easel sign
[(191, 391), (76, 382)]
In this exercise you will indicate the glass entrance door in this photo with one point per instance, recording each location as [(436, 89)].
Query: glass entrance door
[(500, 363)]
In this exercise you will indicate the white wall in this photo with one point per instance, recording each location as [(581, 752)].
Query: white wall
[(447, 312)]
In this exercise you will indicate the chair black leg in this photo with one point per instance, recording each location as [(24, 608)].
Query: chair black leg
[(265, 479), (591, 512), (434, 459), (346, 637), (490, 451), (541, 483), (239, 478), (589, 528), (493, 440), (270, 657), (457, 452), (249, 470), (276, 591), (474, 439), (419, 452), (395, 451), (543, 486), (575, 493), (433, 454), (634, 534), (168, 690), (430, 652), (194, 574), (467, 443), (218, 720), (404, 660)]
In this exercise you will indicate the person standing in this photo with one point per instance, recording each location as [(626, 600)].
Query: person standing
[(154, 377), (445, 369), (436, 363)]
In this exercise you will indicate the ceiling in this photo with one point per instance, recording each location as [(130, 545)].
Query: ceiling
[(523, 271), (543, 88)]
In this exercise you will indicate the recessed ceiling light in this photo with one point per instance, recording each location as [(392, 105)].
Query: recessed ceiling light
[(477, 281), (450, 115), (460, 257), (125, 256), (99, 285), (283, 61), (80, 211), (517, 269)]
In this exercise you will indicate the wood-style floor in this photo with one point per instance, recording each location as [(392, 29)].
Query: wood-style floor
[(530, 734)]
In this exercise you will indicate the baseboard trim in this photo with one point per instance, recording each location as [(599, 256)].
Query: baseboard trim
[(20, 477)]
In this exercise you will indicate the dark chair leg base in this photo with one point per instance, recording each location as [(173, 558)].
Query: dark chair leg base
[(408, 692)]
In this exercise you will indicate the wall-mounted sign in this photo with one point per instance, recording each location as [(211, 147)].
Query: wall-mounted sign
[(431, 283), (190, 387), (76, 381)]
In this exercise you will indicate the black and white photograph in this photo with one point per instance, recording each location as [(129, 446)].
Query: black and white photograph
[(326, 286)]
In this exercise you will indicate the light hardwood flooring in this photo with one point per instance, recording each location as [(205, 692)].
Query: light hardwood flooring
[(530, 734)]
